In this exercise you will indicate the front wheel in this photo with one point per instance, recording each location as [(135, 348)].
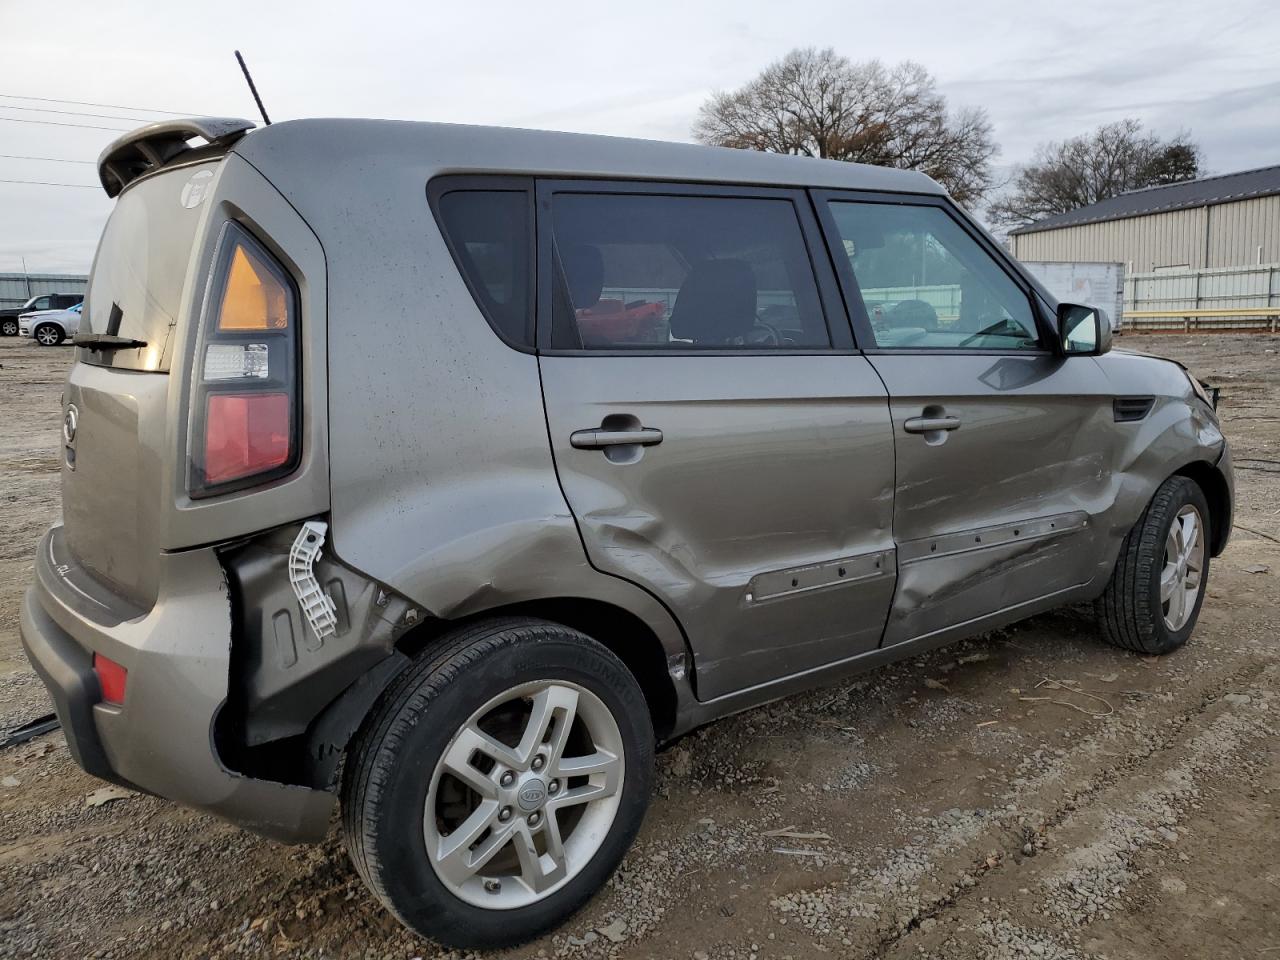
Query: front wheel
[(8, 327), (49, 335), (1154, 597), (499, 783)]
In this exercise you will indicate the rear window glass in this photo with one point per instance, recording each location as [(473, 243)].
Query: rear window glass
[(140, 270), (682, 272), (489, 233)]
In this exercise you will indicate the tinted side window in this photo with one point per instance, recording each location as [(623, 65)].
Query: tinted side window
[(489, 234), (927, 284), (42, 303), (677, 272)]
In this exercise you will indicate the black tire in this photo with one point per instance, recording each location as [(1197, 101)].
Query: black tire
[(58, 335), (9, 327), (1130, 611), (392, 761)]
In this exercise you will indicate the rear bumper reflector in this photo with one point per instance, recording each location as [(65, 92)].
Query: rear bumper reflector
[(112, 679)]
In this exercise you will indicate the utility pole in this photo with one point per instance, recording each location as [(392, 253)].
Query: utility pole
[(26, 276)]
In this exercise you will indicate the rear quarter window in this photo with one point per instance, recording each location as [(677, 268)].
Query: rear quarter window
[(489, 233)]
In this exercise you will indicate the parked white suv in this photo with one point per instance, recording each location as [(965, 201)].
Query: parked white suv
[(50, 327)]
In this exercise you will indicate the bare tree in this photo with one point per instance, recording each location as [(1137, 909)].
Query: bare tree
[(817, 103), (1074, 173)]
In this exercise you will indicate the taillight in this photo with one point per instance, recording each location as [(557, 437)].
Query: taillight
[(245, 419)]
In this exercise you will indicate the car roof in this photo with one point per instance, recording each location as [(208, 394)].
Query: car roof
[(332, 147)]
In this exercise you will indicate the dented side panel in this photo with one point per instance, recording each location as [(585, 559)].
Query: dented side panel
[(763, 517), (1038, 445), (442, 483), (1177, 432), (1031, 447)]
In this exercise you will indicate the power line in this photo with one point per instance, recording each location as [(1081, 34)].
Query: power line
[(109, 106), (56, 123), (47, 183), (14, 156), (76, 113)]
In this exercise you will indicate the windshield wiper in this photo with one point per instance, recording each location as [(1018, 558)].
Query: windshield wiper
[(106, 341)]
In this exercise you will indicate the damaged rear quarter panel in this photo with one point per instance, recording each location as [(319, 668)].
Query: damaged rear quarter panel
[(442, 484)]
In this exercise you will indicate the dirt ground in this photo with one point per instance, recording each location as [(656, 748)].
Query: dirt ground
[(935, 808)]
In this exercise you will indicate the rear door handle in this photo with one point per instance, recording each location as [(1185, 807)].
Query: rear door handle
[(931, 424), (600, 438)]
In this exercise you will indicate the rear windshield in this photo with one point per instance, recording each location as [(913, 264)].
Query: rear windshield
[(141, 266)]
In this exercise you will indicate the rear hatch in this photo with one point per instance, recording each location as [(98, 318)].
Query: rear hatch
[(117, 430)]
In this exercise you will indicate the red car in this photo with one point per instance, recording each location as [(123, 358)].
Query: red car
[(618, 322)]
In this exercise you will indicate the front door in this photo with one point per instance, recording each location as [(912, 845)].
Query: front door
[(1000, 450), (716, 445)]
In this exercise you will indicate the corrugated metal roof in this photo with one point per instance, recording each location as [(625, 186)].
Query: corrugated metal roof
[(1204, 192)]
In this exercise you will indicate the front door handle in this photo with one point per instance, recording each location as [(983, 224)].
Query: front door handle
[(931, 424), (601, 438)]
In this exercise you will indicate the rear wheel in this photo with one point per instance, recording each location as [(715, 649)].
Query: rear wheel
[(49, 335), (499, 783), (1154, 597), (8, 327)]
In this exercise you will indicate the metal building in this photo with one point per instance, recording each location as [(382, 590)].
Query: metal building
[(17, 288), (1231, 220)]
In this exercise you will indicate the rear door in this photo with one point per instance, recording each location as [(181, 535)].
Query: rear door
[(1001, 466), (718, 441)]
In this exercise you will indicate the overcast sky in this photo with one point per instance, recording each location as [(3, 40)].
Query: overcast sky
[(639, 69)]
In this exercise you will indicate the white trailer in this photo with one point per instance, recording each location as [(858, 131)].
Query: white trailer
[(1095, 284)]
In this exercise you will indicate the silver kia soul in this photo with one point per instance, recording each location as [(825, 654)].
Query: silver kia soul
[(441, 472)]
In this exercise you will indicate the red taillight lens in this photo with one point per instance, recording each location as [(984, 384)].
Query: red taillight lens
[(245, 434), (112, 679), (246, 416)]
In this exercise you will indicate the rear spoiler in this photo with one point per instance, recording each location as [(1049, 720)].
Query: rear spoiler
[(151, 147)]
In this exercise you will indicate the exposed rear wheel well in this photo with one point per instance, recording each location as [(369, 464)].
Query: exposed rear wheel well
[(1207, 477), (625, 634)]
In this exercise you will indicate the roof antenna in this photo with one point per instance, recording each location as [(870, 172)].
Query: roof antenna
[(252, 89)]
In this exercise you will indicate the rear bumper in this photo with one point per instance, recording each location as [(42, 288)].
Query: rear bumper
[(161, 739)]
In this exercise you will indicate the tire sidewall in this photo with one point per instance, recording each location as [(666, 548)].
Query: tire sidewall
[(1188, 492), (417, 893)]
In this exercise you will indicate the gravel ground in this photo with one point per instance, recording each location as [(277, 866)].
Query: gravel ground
[(929, 809)]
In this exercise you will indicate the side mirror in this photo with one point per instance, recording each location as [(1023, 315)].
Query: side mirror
[(1083, 330)]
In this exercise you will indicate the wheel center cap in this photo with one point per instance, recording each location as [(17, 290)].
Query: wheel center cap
[(531, 795)]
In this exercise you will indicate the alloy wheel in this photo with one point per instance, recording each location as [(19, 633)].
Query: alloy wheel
[(524, 794), (1183, 567)]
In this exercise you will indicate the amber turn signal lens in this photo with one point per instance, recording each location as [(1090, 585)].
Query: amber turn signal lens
[(253, 298)]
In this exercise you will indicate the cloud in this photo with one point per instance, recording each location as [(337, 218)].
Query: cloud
[(1043, 72)]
